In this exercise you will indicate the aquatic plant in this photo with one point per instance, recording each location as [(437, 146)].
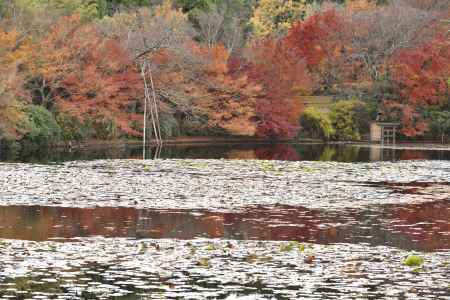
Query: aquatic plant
[(291, 246), (211, 247), (414, 261), (267, 166)]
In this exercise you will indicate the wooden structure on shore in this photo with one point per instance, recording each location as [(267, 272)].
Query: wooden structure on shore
[(383, 132)]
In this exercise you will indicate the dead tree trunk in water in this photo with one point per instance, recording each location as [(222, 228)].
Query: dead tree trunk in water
[(144, 136), (146, 73), (151, 102)]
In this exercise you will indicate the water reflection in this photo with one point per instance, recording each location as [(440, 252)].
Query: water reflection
[(292, 152), (413, 227), (427, 223)]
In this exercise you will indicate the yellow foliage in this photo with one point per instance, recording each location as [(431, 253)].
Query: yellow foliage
[(13, 48), (14, 51), (276, 16)]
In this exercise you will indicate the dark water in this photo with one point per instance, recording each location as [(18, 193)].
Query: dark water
[(424, 227), (291, 152)]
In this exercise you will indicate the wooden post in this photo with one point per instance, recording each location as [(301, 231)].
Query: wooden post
[(393, 134)]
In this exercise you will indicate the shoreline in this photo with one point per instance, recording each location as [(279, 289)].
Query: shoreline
[(205, 141)]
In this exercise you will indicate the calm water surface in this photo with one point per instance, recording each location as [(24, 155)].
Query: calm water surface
[(291, 152), (424, 227)]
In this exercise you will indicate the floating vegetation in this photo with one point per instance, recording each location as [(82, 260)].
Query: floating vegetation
[(414, 260), (105, 268), (211, 247), (291, 246), (266, 165), (221, 184)]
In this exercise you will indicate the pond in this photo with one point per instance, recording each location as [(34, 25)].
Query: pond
[(307, 222)]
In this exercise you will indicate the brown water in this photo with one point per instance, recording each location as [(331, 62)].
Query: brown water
[(423, 226)]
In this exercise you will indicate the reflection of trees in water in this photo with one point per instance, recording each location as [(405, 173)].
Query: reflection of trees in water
[(45, 154), (327, 154), (181, 225), (412, 154), (350, 153), (324, 152), (426, 223), (290, 152), (266, 152), (277, 152), (42, 223), (241, 154), (420, 227)]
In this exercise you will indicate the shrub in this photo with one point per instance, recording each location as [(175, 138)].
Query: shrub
[(316, 124), (72, 129), (169, 125), (8, 147), (344, 118), (43, 129), (101, 128)]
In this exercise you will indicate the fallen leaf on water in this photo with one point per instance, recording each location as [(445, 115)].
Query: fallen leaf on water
[(204, 262), (309, 259)]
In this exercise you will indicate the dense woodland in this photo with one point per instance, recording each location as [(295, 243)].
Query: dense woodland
[(72, 70)]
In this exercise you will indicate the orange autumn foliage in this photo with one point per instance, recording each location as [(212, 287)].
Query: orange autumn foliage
[(231, 99), (360, 5), (90, 76), (206, 90), (216, 57)]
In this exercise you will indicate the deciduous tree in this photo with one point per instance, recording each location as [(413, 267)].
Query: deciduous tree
[(321, 42), (421, 77), (284, 78), (87, 75)]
